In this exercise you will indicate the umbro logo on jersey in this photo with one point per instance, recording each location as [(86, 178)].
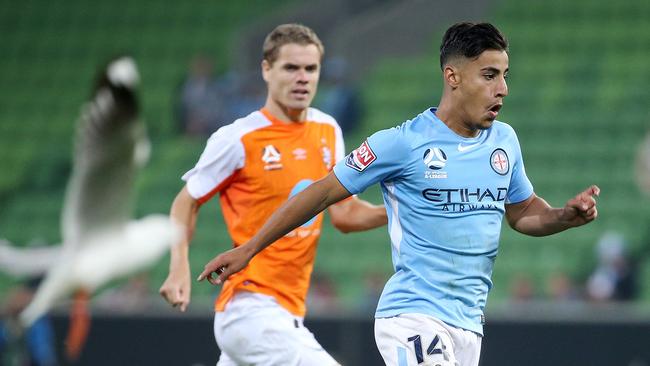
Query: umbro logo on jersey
[(500, 162), (271, 158), (463, 148), (361, 158)]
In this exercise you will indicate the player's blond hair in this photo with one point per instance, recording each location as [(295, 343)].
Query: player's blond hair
[(286, 34)]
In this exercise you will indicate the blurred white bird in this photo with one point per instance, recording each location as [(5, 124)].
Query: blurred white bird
[(100, 243), (31, 262)]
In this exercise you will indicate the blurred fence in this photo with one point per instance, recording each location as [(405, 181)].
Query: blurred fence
[(161, 339)]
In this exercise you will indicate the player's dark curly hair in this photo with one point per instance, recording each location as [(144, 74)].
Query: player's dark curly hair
[(470, 40)]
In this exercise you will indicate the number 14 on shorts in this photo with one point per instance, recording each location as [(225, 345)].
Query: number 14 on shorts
[(436, 347)]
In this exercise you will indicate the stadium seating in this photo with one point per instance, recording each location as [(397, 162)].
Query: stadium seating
[(578, 99)]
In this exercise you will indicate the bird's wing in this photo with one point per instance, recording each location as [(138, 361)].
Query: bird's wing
[(110, 142), (27, 261), (57, 285), (133, 248), (137, 247)]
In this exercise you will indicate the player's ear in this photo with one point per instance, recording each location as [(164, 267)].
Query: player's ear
[(451, 75), (266, 67)]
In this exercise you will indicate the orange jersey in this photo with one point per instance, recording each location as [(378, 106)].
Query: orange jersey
[(256, 164)]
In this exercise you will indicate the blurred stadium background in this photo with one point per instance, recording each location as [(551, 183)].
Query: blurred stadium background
[(579, 93)]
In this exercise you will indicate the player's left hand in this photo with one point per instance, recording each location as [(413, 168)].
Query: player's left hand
[(581, 209), (226, 264)]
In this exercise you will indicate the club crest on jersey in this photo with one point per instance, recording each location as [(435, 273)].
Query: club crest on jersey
[(271, 158), (361, 158), (499, 162)]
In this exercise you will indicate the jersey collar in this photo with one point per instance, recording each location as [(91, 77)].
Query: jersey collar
[(276, 121)]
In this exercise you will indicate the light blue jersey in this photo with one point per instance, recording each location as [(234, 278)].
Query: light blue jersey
[(445, 197)]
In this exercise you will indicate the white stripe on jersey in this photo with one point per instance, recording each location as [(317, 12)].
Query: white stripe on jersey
[(395, 231)]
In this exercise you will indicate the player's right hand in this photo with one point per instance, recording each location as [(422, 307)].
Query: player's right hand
[(582, 208), (177, 288), (226, 264)]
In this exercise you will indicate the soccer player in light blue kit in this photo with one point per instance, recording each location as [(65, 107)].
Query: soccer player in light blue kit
[(448, 176)]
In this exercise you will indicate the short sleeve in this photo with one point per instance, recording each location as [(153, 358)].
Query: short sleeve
[(222, 157), (381, 157), (520, 186)]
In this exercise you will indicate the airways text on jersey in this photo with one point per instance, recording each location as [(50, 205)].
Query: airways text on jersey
[(466, 199)]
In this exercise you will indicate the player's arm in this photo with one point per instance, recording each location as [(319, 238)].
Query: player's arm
[(355, 214), (293, 213), (177, 287), (535, 217)]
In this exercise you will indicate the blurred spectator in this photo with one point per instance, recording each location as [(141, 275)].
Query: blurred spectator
[(560, 287), (202, 99), (34, 347), (322, 297), (614, 279), (132, 296), (337, 97), (246, 94), (373, 282), (522, 289)]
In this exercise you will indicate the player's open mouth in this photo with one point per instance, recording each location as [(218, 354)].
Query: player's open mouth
[(494, 110), (300, 93)]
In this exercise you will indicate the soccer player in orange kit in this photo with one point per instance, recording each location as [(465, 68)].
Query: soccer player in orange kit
[(255, 164)]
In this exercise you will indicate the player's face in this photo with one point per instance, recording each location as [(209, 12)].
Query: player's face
[(483, 88), (293, 78)]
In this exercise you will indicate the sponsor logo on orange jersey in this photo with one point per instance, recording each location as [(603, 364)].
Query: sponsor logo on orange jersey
[(271, 158)]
